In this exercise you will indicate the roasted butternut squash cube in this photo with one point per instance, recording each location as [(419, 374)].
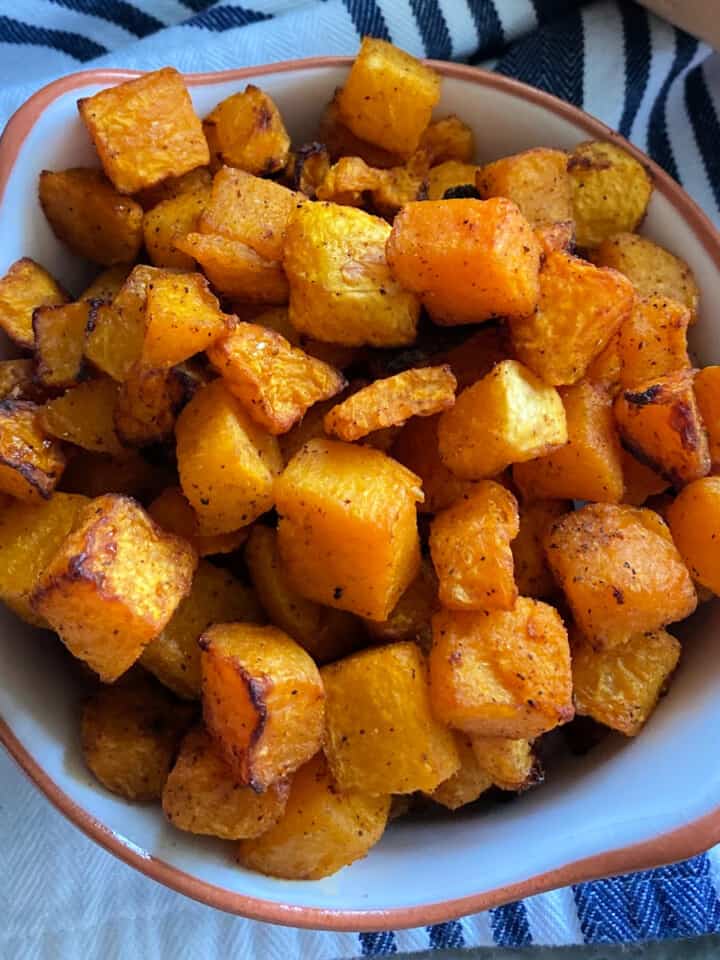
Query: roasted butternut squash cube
[(659, 423), (107, 284), (470, 549), (475, 357), (85, 415), (30, 533), (90, 216), (351, 182), (202, 794), (341, 288), (263, 700), (93, 474), (640, 481), (145, 130), (170, 220), (507, 417), (24, 287), (114, 584), (620, 687), (275, 382), (130, 734), (172, 187), (410, 619), (60, 343), (172, 511), (226, 461), (653, 270), (610, 191), (235, 269), (322, 830), (31, 461), (501, 673), (694, 520), (532, 573), (449, 138), (215, 597), (246, 130), (510, 764), (536, 180), (17, 379), (468, 782), (325, 633), (580, 308), (381, 734), (348, 529), (448, 176), (707, 395), (388, 97), (589, 465), (619, 570), (147, 404), (653, 340), (467, 260)]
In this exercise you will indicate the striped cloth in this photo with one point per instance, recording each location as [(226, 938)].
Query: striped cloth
[(60, 895)]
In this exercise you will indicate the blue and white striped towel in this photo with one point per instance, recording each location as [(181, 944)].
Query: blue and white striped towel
[(62, 897)]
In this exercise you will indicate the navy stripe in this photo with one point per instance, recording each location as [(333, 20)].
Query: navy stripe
[(368, 18), (226, 18), (380, 944), (116, 11), (74, 44), (446, 935), (197, 5), (489, 28), (547, 10), (638, 52), (434, 30), (658, 139), (704, 120), (510, 925)]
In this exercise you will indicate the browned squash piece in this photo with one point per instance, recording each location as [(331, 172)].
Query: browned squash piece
[(147, 404), (620, 687), (31, 462), (448, 176), (60, 343), (246, 130), (640, 481), (226, 461), (352, 182), (114, 584), (323, 828), (620, 571), (589, 465), (306, 168), (171, 219), (235, 269), (532, 573), (501, 673), (536, 180), (449, 138), (470, 549), (467, 783), (694, 520), (381, 734), (145, 130), (17, 380), (263, 700), (173, 512), (90, 216), (510, 764), (410, 619), (659, 423), (467, 260), (653, 340), (24, 287), (202, 794), (707, 395), (85, 415), (348, 531)]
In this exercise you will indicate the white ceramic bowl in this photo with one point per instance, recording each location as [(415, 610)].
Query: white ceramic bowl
[(627, 805)]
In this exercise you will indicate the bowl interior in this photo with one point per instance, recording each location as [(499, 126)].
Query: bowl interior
[(623, 792)]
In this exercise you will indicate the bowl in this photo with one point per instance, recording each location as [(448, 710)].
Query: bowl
[(627, 805)]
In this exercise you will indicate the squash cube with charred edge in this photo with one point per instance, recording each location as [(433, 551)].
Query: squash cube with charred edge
[(580, 308), (275, 382), (653, 270), (694, 520), (392, 401), (31, 461), (227, 463), (246, 130), (203, 795), (467, 260), (147, 404), (306, 168), (449, 138), (659, 423), (449, 175), (620, 572), (90, 216), (24, 287), (114, 584), (640, 481), (501, 673), (17, 380), (130, 734), (411, 616), (507, 417), (145, 130), (60, 342), (325, 633), (322, 830), (468, 782), (707, 395), (107, 284), (610, 191), (348, 528), (215, 597), (170, 220), (589, 465), (470, 549), (341, 288), (620, 687), (235, 269), (510, 764), (532, 573), (263, 700), (381, 735), (30, 534), (388, 97), (172, 511), (653, 340), (536, 180), (85, 415)]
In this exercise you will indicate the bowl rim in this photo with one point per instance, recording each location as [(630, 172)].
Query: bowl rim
[(682, 842)]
